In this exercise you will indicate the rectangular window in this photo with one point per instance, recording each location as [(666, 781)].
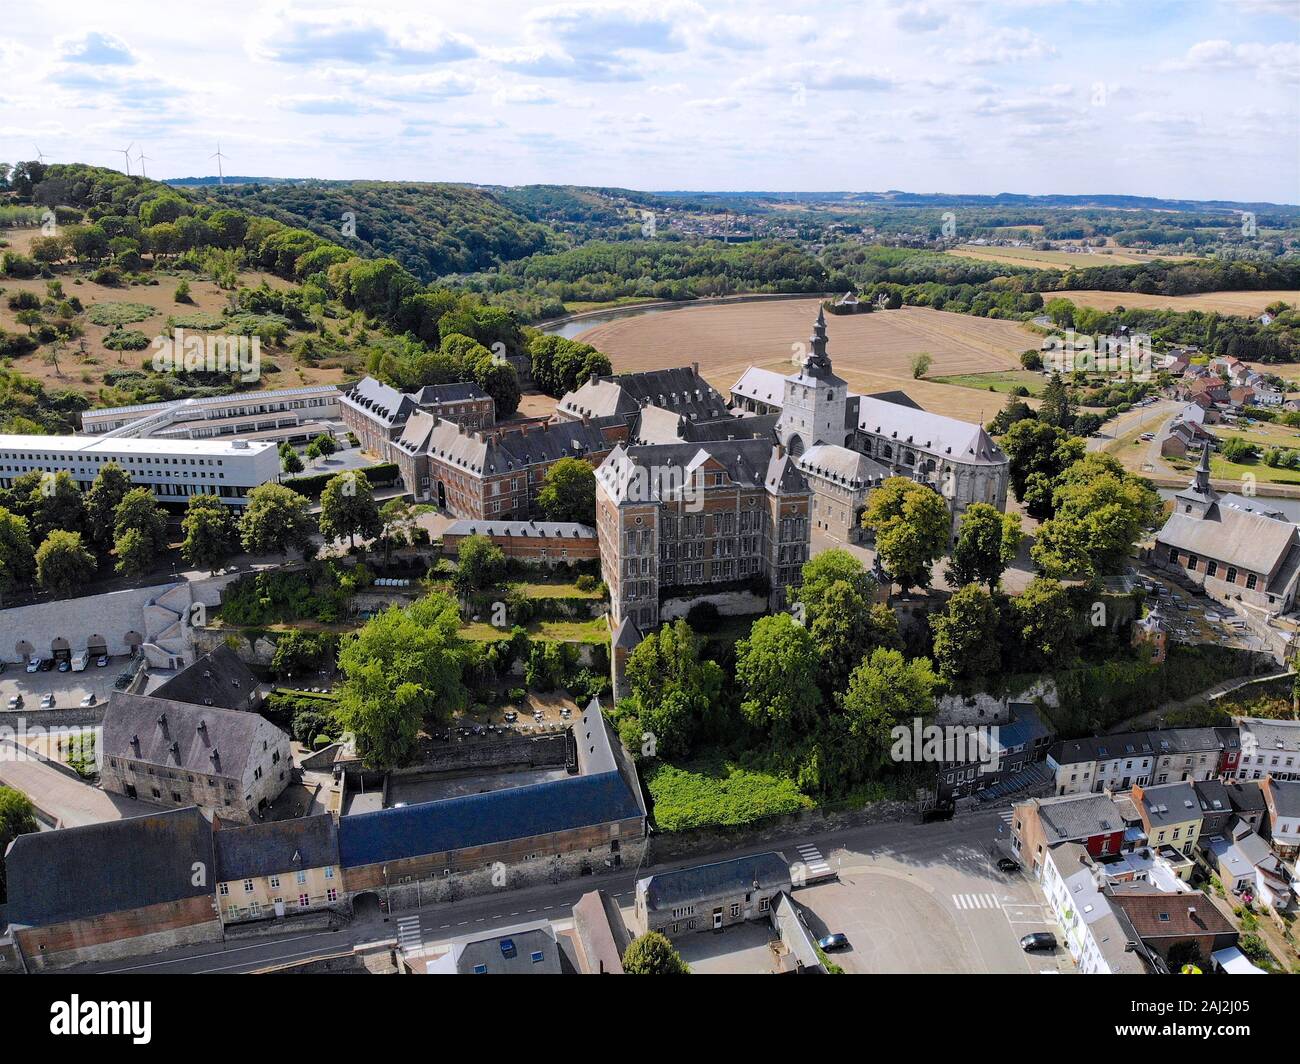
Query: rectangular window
[(303, 901), (248, 886)]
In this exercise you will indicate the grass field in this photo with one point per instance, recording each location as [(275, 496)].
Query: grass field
[(873, 352), (1059, 259), (1249, 304), (1004, 381)]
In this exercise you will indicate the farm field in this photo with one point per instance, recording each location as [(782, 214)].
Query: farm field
[(1245, 303), (1005, 381), (872, 352), (1059, 259)]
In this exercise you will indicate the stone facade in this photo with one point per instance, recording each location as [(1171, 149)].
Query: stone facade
[(542, 542)]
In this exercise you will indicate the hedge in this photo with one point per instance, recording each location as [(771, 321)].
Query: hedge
[(313, 485)]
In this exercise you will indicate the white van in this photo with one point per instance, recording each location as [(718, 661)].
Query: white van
[(79, 660)]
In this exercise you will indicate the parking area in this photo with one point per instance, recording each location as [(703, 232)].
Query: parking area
[(742, 949), (940, 905), (67, 688)]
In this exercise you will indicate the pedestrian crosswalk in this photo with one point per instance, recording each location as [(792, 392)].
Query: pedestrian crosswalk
[(814, 864), (1006, 817), (976, 901), (409, 935)]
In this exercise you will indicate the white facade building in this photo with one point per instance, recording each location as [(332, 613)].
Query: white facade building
[(172, 469)]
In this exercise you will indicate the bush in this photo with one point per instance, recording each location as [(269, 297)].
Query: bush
[(713, 795), (119, 313), (313, 485), (126, 340), (704, 617), (586, 582)]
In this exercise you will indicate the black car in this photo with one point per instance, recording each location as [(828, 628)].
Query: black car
[(1005, 864), (47, 664), (1038, 940), (938, 813), (831, 943)]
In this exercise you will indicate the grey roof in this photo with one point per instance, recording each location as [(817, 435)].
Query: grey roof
[(550, 529), (1286, 797), (1213, 797), (1260, 736), (276, 847), (216, 679), (841, 465), (1246, 796), (510, 951), (656, 424), (1170, 803), (1235, 537), (762, 385), (901, 398), (654, 472), (436, 394), (81, 872), (207, 740), (680, 389), (963, 441), (495, 451), (379, 401), (762, 871), (1186, 740), (1101, 748), (1079, 816)]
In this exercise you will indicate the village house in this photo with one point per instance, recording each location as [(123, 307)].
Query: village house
[(711, 897), (1171, 819), (227, 762), (1269, 748), (1282, 797), (1094, 821), (279, 868)]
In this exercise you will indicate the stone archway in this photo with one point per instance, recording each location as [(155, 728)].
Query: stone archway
[(96, 645), (796, 445), (60, 648), (24, 650), (133, 640)]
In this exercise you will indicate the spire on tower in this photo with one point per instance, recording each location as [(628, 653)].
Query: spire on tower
[(1201, 483)]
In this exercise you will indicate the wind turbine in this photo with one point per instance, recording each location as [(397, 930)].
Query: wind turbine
[(126, 154), (221, 177), (40, 155), (140, 159)]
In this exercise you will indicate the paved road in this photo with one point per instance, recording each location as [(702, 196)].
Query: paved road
[(1144, 418), (910, 898)]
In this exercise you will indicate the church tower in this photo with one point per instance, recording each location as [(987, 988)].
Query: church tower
[(1199, 496), (816, 400)]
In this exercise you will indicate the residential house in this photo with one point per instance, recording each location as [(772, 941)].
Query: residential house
[(1094, 821), (218, 678), (1216, 807), (1248, 805), (1249, 869), (225, 761), (1093, 935), (1172, 819), (1269, 748), (542, 542), (526, 949), (711, 897), (601, 934), (1283, 800), (1177, 928), (279, 868), (1103, 762)]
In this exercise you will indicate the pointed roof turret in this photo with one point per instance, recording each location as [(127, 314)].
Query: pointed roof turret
[(1201, 483)]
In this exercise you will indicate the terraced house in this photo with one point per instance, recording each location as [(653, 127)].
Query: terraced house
[(272, 870)]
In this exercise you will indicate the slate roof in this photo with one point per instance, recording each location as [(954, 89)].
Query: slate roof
[(491, 452), (435, 394), (1260, 736), (81, 872), (1101, 748), (680, 389), (651, 472), (666, 890), (1286, 797), (1235, 537), (761, 385), (380, 401), (510, 951), (1079, 816), (963, 441), (655, 424), (1246, 796), (1170, 803), (216, 679), (483, 819), (550, 529), (189, 738), (1213, 797), (276, 847), (842, 465)]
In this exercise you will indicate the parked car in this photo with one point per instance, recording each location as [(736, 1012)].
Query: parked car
[(15, 701), (47, 701), (831, 943), (65, 665), (938, 813), (34, 665), (101, 661), (47, 665), (89, 700), (1038, 940), (1005, 864)]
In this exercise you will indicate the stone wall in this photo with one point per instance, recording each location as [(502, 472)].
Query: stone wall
[(489, 753), (729, 603), (703, 841)]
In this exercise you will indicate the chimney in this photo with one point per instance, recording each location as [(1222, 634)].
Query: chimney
[(695, 368)]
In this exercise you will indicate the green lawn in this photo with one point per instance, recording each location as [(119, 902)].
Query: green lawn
[(595, 630), (532, 589), (705, 794), (999, 381)]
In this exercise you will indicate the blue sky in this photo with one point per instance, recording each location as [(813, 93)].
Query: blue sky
[(1192, 98)]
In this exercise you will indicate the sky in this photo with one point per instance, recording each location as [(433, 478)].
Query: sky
[(1196, 99)]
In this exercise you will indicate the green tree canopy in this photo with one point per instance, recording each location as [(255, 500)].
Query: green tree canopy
[(966, 636), (776, 671), (347, 508), (17, 817), (211, 532), (885, 691), (17, 557), (569, 492), (673, 687), (276, 520), (987, 541), (911, 523), (401, 671), (106, 492), (1044, 625), (63, 564), (480, 564), (653, 954)]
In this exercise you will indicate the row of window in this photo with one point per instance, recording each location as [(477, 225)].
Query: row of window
[(273, 882)]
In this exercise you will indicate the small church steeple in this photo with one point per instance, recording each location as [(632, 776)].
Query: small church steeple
[(1201, 483), (817, 363)]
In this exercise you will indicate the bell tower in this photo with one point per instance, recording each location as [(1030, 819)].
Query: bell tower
[(816, 400)]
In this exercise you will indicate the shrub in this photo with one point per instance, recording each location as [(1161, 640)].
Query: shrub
[(704, 617), (126, 340), (119, 313)]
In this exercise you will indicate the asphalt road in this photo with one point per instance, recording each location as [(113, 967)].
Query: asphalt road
[(909, 897)]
